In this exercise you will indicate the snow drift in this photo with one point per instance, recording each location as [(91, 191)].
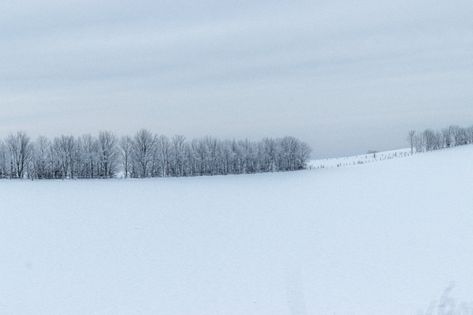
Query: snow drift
[(379, 238)]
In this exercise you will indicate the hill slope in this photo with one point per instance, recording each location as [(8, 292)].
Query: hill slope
[(380, 238)]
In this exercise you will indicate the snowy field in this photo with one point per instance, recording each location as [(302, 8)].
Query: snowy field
[(380, 238), (359, 159)]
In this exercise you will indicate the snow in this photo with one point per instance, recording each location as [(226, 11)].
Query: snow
[(359, 159), (379, 238)]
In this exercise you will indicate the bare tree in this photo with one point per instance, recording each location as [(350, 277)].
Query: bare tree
[(107, 143), (411, 138), (64, 149), (164, 155), (178, 148), (147, 155), (126, 145), (20, 151), (41, 158), (447, 137), (143, 149), (4, 160)]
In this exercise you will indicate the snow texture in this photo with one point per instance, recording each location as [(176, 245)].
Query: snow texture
[(359, 159), (379, 238)]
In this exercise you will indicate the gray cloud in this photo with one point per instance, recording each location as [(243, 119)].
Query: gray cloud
[(345, 76)]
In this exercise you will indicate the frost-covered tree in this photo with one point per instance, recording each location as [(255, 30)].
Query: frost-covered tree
[(429, 139), (469, 132), (108, 154), (4, 161), (143, 150), (64, 153), (20, 150), (410, 138), (41, 159), (146, 155), (447, 137), (178, 163), (126, 145), (163, 148), (89, 156)]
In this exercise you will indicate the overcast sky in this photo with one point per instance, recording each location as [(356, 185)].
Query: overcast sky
[(345, 76)]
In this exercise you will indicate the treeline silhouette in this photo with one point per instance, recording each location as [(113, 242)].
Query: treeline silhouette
[(430, 140), (145, 155)]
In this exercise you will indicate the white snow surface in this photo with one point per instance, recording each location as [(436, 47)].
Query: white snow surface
[(359, 159), (379, 238)]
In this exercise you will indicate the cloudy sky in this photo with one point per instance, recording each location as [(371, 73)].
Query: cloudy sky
[(345, 76)]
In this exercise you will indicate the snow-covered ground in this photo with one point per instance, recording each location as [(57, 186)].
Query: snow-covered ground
[(380, 238), (359, 159)]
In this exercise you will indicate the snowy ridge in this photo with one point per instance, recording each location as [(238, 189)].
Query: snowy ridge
[(359, 159)]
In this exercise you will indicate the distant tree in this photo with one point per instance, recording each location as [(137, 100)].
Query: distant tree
[(4, 161), (143, 149), (90, 156), (20, 152), (64, 150), (163, 148), (429, 139), (411, 138), (126, 146), (419, 142), (108, 154), (460, 135), (447, 137), (147, 155), (178, 163), (41, 159), (469, 132)]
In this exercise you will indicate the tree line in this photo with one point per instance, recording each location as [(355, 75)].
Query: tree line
[(145, 155), (430, 140)]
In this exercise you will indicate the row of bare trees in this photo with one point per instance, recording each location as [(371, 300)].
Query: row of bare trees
[(145, 155), (430, 140)]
